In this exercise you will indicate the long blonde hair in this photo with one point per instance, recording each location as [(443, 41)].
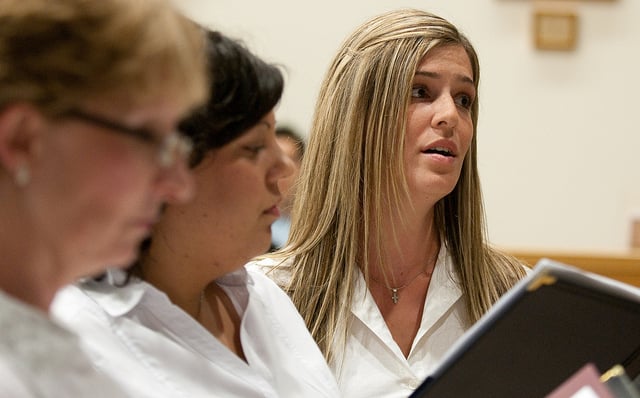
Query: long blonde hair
[(354, 160)]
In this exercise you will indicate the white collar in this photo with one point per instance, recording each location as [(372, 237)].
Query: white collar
[(118, 299), (110, 292), (444, 291)]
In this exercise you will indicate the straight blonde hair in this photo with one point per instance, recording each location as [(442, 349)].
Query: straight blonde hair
[(354, 160)]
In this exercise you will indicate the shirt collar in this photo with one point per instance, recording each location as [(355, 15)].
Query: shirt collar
[(116, 300), (239, 277), (444, 291)]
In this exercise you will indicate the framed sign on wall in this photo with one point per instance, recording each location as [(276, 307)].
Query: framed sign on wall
[(555, 30)]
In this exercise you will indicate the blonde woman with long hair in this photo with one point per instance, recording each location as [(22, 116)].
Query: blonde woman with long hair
[(388, 260)]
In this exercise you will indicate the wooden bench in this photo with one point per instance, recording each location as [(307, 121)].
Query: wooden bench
[(622, 266)]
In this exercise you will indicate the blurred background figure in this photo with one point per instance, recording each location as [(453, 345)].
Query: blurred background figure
[(292, 145)]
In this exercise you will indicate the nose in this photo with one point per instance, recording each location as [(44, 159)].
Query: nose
[(283, 167), (445, 116), (175, 184)]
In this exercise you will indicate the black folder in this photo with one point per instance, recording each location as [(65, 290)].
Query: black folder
[(541, 332)]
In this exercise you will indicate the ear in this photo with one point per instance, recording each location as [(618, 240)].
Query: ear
[(20, 128)]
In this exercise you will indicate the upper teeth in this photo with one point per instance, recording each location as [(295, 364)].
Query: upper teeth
[(440, 149)]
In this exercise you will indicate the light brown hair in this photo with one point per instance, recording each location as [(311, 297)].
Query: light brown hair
[(354, 160), (57, 54)]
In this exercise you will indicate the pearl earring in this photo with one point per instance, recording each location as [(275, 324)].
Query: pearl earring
[(22, 176)]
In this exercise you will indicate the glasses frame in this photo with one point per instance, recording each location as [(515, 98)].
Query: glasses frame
[(170, 148)]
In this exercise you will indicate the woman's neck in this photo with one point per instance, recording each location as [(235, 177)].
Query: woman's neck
[(414, 248), (29, 279), (29, 270), (181, 288), (183, 278), (219, 316)]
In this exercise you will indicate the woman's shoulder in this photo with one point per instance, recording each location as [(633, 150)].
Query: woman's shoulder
[(292, 348)]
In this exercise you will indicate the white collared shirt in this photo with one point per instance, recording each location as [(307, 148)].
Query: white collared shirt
[(137, 336), (38, 358), (373, 364)]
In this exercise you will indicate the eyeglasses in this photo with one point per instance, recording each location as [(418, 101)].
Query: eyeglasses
[(170, 149)]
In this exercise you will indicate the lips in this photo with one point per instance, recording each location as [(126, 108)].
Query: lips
[(146, 224), (273, 210), (442, 148), (439, 151)]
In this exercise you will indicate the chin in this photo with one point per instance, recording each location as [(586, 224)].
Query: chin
[(124, 258), (118, 254), (263, 248)]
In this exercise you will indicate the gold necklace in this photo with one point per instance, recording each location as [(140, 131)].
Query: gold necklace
[(395, 290)]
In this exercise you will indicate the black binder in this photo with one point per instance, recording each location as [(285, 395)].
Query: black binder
[(541, 332)]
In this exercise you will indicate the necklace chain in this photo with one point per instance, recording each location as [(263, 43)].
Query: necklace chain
[(395, 290)]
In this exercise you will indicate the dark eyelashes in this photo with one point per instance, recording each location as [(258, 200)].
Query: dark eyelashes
[(464, 100), (254, 149)]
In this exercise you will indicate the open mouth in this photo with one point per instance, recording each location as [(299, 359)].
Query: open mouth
[(439, 151)]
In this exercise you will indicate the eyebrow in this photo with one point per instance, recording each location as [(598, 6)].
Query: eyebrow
[(433, 75)]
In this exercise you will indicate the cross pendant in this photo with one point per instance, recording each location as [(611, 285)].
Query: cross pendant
[(394, 295)]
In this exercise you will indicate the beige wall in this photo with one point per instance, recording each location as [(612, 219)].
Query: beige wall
[(558, 132)]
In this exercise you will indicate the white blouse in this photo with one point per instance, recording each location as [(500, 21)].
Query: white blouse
[(38, 358), (154, 349), (373, 364), (372, 354)]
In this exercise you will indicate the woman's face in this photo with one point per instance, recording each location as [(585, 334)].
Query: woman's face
[(439, 124), (99, 190), (237, 196)]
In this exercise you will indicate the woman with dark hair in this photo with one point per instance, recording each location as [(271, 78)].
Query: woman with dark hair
[(188, 319)]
